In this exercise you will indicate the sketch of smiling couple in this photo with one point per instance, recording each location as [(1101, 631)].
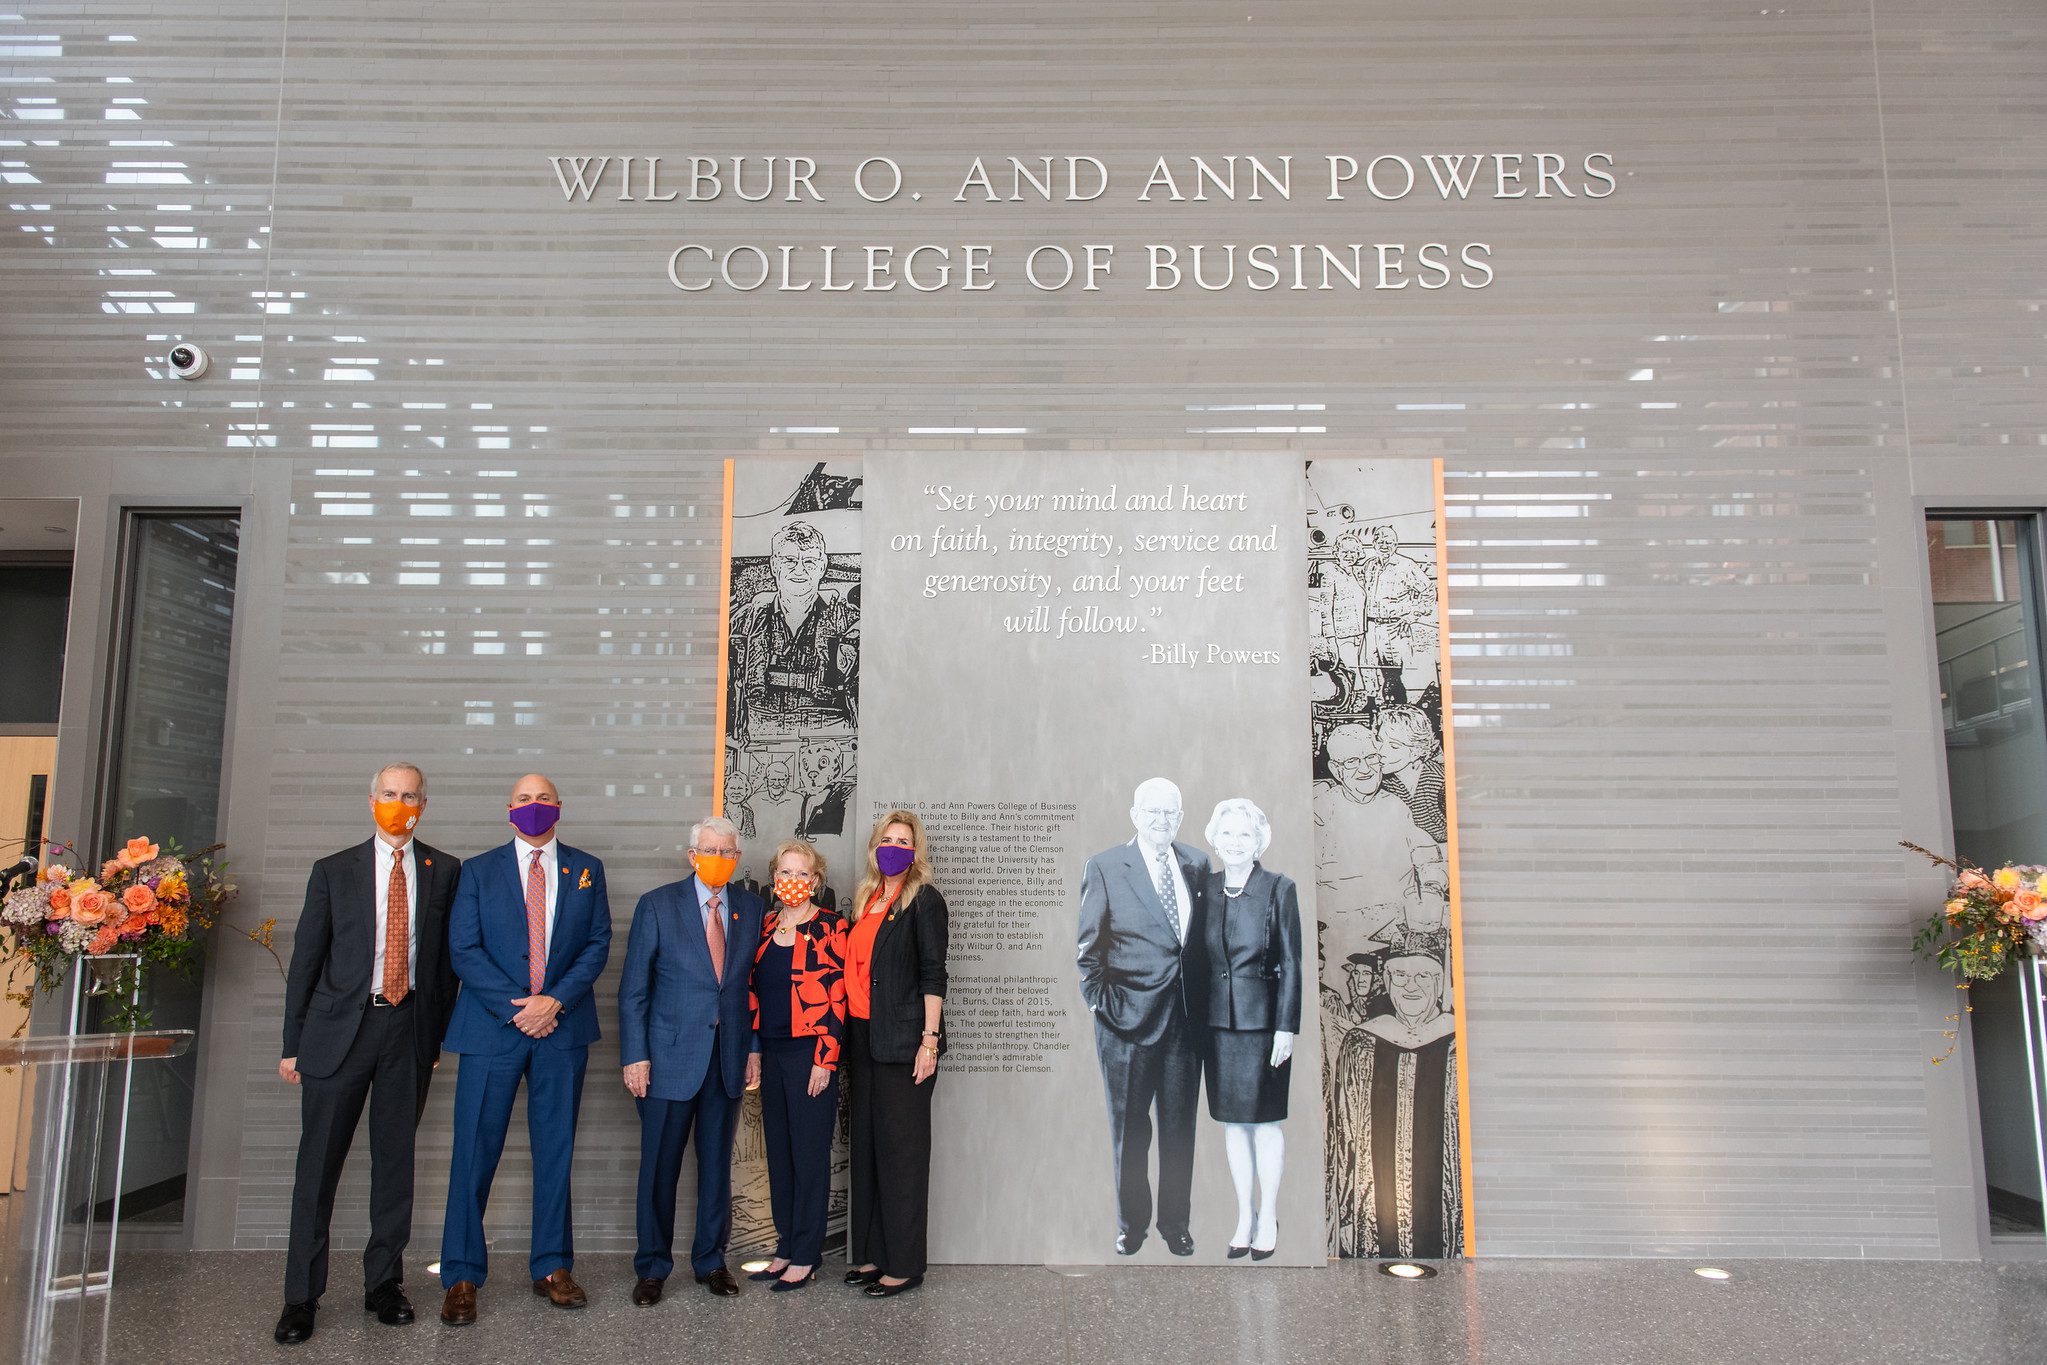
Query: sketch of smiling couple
[(1192, 973)]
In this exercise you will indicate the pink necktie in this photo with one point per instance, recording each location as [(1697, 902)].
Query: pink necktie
[(714, 934), (536, 925)]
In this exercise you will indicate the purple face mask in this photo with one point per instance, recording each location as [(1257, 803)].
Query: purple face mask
[(535, 818), (893, 859)]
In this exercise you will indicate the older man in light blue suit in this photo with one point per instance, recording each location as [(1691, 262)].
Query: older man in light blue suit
[(684, 1031)]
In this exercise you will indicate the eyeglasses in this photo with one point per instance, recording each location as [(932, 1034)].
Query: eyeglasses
[(409, 798), (729, 851)]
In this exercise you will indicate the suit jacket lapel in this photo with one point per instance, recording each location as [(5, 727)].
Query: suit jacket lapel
[(691, 925), (361, 891), (558, 951)]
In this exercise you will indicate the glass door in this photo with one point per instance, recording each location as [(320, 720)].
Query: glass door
[(1986, 611)]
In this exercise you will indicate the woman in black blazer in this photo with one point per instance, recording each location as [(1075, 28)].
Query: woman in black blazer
[(895, 997), (1252, 934)]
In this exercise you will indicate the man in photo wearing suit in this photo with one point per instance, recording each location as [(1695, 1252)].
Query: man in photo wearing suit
[(684, 1031), (365, 1007), (1140, 939), (529, 935)]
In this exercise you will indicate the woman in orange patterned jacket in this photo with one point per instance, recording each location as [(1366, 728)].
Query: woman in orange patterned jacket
[(798, 994)]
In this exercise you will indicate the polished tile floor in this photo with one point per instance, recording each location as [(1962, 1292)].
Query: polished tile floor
[(220, 1306)]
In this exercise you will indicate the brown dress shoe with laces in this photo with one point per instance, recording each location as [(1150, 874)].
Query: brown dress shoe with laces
[(459, 1308), (561, 1290)]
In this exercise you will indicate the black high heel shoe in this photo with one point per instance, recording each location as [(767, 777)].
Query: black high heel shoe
[(766, 1274), (1267, 1254), (1236, 1252), (857, 1277), (782, 1286)]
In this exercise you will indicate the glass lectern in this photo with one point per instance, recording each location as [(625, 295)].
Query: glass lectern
[(62, 1290)]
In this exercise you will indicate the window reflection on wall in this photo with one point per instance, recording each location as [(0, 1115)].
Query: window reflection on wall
[(169, 728), (1986, 613)]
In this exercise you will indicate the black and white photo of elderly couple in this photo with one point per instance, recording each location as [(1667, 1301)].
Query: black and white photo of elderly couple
[(1193, 974)]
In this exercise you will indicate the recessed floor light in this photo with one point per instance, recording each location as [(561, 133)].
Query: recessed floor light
[(1407, 1270), (1711, 1272), (434, 1268), (751, 1266)]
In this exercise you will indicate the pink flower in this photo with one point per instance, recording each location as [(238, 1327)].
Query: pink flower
[(92, 907), (138, 852), (1971, 879)]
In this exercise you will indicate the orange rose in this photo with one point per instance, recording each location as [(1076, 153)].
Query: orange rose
[(60, 902), (138, 852), (92, 907), (111, 869), (140, 900)]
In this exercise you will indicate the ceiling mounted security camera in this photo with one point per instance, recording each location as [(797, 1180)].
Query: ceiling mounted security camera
[(188, 361)]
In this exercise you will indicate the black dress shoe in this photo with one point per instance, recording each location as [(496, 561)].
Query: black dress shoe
[(1127, 1243), (1179, 1243), (295, 1324), (720, 1282), (646, 1292), (781, 1286), (857, 1276), (1258, 1255), (1237, 1253), (878, 1290), (389, 1303)]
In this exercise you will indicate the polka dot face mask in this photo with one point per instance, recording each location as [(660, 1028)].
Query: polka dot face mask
[(792, 891)]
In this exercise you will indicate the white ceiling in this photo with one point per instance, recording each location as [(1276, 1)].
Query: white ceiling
[(25, 523)]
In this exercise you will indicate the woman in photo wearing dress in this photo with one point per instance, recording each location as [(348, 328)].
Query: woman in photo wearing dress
[(1253, 941)]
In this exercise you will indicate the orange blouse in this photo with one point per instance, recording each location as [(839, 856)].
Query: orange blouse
[(860, 952)]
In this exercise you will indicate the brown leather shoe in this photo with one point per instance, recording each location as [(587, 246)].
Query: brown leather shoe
[(646, 1293), (459, 1308), (561, 1290)]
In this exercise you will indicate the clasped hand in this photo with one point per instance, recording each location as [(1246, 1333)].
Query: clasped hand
[(1282, 1048), (536, 1016)]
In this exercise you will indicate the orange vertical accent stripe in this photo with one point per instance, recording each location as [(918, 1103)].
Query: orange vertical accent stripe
[(724, 646), (1450, 853)]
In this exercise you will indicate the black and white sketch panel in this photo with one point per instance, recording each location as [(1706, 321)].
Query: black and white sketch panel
[(792, 709), (1383, 937)]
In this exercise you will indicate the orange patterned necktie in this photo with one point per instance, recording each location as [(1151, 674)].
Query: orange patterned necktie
[(536, 925), (397, 933), (714, 934)]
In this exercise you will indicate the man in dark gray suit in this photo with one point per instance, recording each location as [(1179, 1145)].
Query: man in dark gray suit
[(366, 1007), (1141, 908)]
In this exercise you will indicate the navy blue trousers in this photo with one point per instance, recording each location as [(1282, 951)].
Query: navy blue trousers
[(665, 1127), (484, 1090), (797, 1127)]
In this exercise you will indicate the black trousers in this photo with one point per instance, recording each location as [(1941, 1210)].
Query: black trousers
[(891, 1184), (797, 1127), (382, 1067), (1141, 1079)]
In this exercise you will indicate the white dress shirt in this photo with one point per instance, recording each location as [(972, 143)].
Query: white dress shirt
[(1151, 874), (550, 877), (704, 894), (380, 895)]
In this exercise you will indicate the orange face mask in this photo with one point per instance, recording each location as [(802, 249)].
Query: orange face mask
[(791, 891), (714, 870), (396, 818)]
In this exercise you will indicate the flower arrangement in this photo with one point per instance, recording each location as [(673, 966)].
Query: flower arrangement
[(1989, 923), (147, 900)]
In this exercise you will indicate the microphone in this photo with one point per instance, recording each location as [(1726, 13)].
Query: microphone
[(26, 865)]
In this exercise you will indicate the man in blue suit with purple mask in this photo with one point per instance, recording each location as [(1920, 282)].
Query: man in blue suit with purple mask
[(529, 934)]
